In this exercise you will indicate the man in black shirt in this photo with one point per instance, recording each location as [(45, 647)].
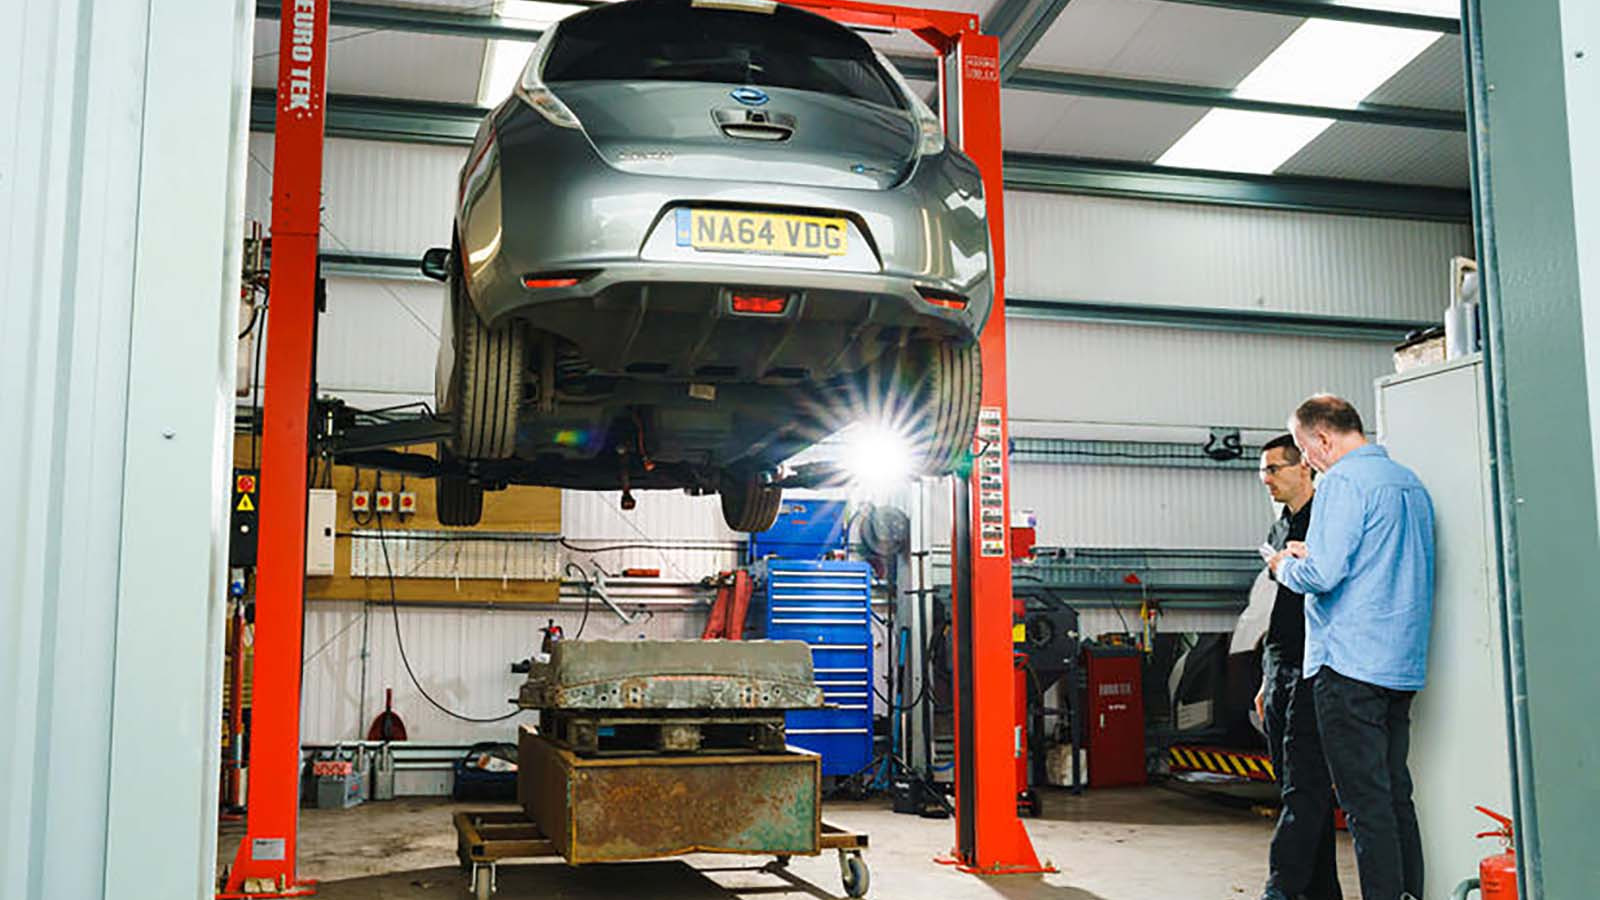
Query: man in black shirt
[(1301, 860)]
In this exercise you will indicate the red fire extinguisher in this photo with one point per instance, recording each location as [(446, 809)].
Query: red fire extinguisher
[(1497, 875)]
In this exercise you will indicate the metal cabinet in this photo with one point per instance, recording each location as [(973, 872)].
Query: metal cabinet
[(826, 604), (1434, 421)]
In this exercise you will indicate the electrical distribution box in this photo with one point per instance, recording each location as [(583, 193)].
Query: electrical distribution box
[(321, 508), (243, 518)]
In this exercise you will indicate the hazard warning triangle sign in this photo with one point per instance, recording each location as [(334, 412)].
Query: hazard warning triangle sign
[(244, 504)]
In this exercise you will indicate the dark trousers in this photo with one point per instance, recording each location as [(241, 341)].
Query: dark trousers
[(1301, 861), (1367, 733)]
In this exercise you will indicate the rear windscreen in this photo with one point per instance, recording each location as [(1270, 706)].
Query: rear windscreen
[(672, 41)]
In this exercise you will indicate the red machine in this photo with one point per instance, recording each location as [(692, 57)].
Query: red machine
[(1115, 715), (1497, 875)]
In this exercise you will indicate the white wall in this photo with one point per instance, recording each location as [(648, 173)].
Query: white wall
[(1066, 247)]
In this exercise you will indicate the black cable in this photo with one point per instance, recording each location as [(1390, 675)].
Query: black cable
[(394, 607), (588, 596), (922, 695), (255, 390), (255, 316)]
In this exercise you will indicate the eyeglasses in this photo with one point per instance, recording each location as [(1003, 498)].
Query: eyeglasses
[(1275, 468)]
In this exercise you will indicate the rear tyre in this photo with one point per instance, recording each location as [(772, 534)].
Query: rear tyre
[(748, 503), (931, 391), (486, 382), (459, 501)]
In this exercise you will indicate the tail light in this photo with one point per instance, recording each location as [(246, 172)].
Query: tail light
[(543, 281), (944, 299), (531, 87), (760, 303)]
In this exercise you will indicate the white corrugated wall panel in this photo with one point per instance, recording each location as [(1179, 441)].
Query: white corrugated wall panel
[(596, 519), (377, 341), (378, 197), (1129, 506), (1142, 506), (379, 336), (462, 656), (1139, 375), (1073, 247)]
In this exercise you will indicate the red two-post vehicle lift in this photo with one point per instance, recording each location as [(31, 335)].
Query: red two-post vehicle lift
[(990, 837)]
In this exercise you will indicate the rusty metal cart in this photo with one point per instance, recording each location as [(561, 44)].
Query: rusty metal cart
[(655, 749), (487, 838)]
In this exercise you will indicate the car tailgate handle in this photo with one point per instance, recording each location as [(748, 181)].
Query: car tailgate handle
[(754, 124)]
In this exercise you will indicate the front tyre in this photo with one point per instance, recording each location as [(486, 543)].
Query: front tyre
[(486, 382)]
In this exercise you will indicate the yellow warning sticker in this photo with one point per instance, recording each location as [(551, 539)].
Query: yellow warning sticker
[(1019, 633), (244, 504)]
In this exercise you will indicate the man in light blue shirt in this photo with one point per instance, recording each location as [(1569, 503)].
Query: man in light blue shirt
[(1366, 568)]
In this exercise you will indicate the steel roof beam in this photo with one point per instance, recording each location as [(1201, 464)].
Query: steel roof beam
[(1038, 172), (1018, 42)]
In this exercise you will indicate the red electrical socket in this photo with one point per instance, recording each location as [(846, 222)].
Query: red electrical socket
[(360, 501), (383, 501), (406, 503)]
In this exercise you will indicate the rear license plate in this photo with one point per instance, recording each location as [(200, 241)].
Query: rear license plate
[(752, 232)]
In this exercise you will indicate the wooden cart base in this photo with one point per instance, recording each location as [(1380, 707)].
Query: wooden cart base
[(486, 838)]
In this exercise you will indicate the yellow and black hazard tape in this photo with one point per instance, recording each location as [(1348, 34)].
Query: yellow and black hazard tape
[(1222, 762)]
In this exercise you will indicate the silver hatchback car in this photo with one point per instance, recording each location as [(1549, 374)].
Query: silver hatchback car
[(699, 237)]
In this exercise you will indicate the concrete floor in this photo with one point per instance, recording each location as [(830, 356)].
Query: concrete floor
[(1123, 844)]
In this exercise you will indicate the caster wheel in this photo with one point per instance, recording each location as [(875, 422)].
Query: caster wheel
[(483, 883), (856, 876)]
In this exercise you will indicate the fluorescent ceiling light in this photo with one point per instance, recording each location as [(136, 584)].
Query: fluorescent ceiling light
[(1330, 63), (1323, 63), (1237, 140)]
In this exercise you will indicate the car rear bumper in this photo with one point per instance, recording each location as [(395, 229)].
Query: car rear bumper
[(677, 321)]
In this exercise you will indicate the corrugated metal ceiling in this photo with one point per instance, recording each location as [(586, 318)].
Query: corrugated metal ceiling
[(1431, 81), (1092, 126), (1162, 41), (1384, 153)]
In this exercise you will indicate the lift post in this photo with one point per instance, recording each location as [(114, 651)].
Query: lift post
[(990, 837), (266, 856)]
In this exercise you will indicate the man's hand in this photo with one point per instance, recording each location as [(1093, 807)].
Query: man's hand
[(1296, 549), (1261, 704)]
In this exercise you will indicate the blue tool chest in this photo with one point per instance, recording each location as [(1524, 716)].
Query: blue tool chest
[(827, 605)]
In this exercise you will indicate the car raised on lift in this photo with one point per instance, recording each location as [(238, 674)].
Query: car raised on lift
[(699, 237)]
